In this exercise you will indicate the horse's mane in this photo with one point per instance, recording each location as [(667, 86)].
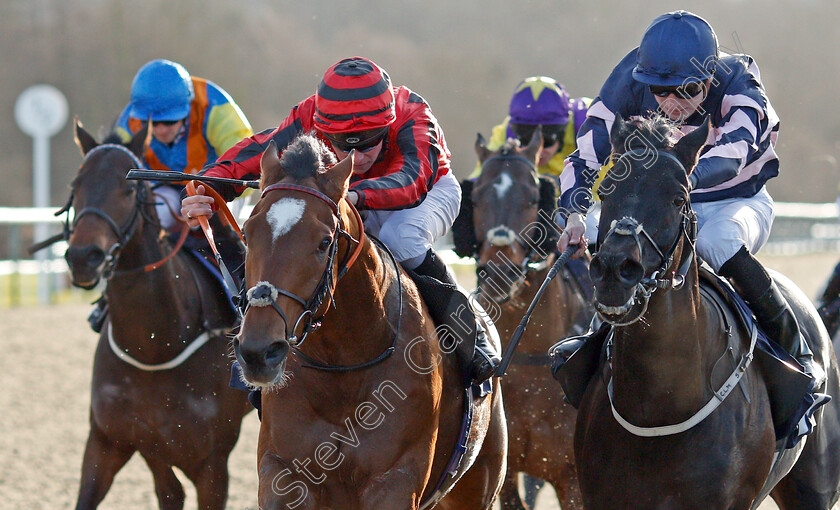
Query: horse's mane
[(306, 156), (656, 132)]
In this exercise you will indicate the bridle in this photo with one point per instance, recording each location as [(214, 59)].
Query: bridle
[(266, 294), (123, 233), (660, 278), (534, 260)]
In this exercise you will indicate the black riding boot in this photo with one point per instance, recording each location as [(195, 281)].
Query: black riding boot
[(830, 302), (450, 306), (770, 307), (99, 313)]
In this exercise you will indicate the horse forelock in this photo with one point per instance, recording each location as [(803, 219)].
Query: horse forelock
[(95, 159), (655, 132), (306, 157)]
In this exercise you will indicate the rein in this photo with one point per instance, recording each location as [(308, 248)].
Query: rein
[(266, 294)]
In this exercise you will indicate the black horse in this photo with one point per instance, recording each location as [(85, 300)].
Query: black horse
[(162, 365), (659, 428)]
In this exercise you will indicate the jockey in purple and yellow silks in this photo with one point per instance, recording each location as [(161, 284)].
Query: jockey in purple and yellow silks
[(542, 101), (194, 121)]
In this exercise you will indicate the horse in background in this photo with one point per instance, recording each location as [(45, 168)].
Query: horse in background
[(506, 224), (362, 407), (666, 421), (162, 364)]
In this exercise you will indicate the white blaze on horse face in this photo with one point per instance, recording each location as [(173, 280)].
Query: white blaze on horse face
[(284, 214), (503, 185)]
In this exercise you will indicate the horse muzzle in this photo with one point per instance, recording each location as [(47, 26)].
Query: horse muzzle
[(616, 272), (86, 265), (263, 363)]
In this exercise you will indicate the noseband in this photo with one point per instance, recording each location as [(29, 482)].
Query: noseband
[(266, 294), (660, 278)]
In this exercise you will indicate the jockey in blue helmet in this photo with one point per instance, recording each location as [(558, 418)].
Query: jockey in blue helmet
[(194, 121), (162, 91), (678, 71)]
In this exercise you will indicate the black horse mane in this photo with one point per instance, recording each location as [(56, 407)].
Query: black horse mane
[(657, 132), (306, 156)]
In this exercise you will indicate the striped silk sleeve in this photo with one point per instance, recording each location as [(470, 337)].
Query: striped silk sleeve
[(736, 144), (583, 165)]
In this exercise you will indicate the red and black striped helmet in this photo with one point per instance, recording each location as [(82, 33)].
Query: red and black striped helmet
[(354, 95)]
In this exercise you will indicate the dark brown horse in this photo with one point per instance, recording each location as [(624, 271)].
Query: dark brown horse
[(667, 424), (505, 223), (162, 365), (362, 407)]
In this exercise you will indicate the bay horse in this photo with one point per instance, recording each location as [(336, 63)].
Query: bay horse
[(666, 424), (505, 224), (361, 406), (162, 365)]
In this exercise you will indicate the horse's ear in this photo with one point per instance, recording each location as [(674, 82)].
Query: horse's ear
[(617, 134), (270, 169), (688, 147), (339, 174), (84, 140), (532, 150), (481, 148), (141, 140)]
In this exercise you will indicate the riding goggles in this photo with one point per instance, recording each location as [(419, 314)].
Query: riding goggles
[(686, 91), (551, 133), (362, 141)]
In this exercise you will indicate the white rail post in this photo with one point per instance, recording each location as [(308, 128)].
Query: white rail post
[(41, 112)]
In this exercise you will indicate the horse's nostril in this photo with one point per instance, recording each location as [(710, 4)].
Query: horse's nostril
[(596, 268), (89, 256), (95, 258), (276, 353), (630, 272)]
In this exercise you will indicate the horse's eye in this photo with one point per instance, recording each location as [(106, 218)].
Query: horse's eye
[(679, 201), (325, 244)]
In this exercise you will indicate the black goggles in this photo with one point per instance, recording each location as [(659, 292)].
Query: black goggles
[(361, 141), (686, 91), (551, 133), (166, 122)]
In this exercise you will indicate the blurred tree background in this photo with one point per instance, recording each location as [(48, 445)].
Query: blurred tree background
[(465, 57)]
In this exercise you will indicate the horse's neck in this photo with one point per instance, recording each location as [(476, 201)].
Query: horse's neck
[(658, 363), (152, 304), (358, 326)]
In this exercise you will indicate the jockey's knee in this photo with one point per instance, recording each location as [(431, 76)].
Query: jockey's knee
[(408, 243)]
